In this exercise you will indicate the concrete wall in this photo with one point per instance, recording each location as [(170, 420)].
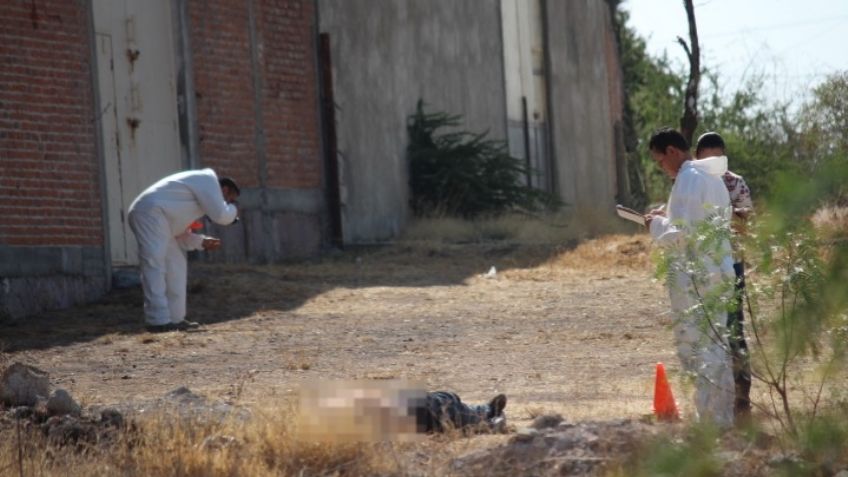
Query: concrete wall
[(34, 279), (386, 55), (581, 109)]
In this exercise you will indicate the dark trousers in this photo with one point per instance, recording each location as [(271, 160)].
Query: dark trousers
[(738, 346)]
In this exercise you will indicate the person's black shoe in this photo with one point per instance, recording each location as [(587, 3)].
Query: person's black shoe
[(161, 328), (186, 325)]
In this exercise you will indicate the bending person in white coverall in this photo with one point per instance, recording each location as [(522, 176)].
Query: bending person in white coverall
[(698, 195), (161, 219)]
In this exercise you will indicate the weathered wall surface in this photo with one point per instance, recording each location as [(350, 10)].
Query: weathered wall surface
[(254, 92), (582, 112), (255, 71), (387, 55), (51, 229)]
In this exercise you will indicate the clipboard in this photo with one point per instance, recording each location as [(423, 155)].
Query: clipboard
[(630, 214)]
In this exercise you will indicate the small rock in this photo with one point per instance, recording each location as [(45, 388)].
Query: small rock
[(63, 430), (728, 456), (21, 412), (183, 393), (40, 411), (22, 385), (525, 434), (547, 421), (784, 459), (111, 417), (61, 403), (842, 473)]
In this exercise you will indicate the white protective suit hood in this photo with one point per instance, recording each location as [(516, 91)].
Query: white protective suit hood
[(714, 165)]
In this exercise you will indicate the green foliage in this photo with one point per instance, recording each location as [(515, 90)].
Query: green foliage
[(814, 271), (761, 137), (764, 138), (654, 97), (823, 443), (824, 120), (692, 456), (462, 174)]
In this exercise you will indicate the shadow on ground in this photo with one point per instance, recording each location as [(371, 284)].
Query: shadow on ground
[(220, 293)]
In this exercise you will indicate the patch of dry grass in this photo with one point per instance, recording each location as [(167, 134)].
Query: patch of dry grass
[(831, 221), (576, 224), (266, 445), (611, 252)]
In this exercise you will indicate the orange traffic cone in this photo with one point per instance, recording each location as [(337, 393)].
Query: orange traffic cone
[(664, 406)]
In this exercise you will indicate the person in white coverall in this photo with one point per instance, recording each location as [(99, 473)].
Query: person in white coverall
[(698, 194), (161, 219)]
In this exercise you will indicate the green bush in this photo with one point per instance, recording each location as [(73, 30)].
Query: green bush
[(691, 455), (462, 174)]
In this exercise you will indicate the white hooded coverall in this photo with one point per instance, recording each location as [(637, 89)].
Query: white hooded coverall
[(699, 193), (160, 219)]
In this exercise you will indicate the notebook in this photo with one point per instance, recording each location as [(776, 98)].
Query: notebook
[(630, 214)]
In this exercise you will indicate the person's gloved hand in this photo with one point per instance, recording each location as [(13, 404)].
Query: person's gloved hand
[(211, 243)]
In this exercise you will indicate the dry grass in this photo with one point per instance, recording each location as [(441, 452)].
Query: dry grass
[(831, 221), (268, 444), (611, 252), (162, 446), (420, 303), (561, 228), (567, 326)]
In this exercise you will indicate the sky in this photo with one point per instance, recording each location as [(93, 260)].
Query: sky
[(792, 44)]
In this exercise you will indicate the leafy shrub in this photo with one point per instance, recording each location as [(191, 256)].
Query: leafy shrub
[(462, 174)]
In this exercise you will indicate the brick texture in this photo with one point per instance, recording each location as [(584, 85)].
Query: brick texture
[(220, 44), (220, 41), (290, 93), (49, 179)]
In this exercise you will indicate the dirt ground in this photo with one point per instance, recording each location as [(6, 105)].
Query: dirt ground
[(574, 330)]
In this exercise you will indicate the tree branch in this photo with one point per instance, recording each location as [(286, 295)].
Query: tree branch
[(685, 47), (689, 121)]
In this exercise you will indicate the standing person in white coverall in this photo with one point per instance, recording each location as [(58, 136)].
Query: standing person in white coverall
[(698, 194), (161, 218)]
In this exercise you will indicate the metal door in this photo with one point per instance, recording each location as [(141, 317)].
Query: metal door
[(526, 89), (139, 119)]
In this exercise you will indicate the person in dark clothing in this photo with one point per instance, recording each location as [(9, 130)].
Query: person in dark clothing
[(442, 411)]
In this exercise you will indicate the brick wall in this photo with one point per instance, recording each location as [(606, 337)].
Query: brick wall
[(223, 86), (49, 179), (226, 111), (290, 93)]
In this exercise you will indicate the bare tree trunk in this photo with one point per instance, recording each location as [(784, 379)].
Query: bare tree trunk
[(689, 121)]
